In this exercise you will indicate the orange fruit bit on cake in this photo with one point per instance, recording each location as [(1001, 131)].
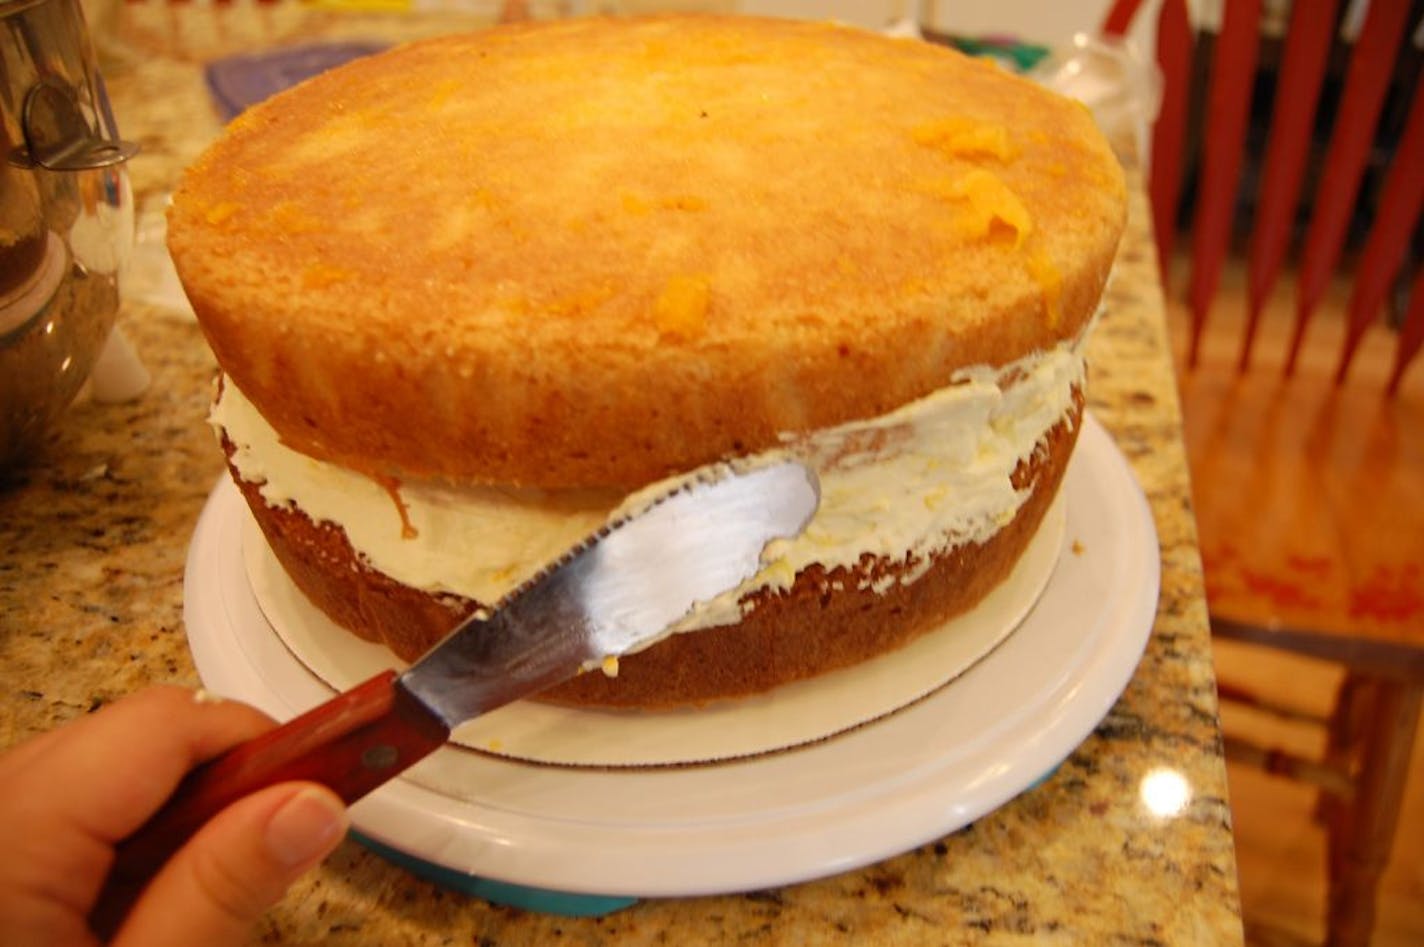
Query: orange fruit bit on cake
[(635, 205), (288, 217), (961, 137), (992, 205), (442, 92), (681, 309), (220, 213), (639, 206), (1050, 283), (684, 202), (318, 275)]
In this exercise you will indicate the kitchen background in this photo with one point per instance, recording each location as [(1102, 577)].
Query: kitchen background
[(1280, 847)]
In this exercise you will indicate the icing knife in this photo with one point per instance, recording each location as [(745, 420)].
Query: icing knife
[(619, 591)]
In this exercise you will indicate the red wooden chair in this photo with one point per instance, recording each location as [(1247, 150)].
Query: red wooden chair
[(1306, 433)]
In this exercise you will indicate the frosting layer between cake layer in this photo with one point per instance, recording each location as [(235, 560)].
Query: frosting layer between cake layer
[(931, 475)]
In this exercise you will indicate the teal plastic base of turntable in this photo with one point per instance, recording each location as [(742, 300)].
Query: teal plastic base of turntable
[(500, 892)]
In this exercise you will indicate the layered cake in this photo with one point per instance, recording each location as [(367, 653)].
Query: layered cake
[(472, 296)]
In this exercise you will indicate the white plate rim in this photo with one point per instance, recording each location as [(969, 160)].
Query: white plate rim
[(856, 799)]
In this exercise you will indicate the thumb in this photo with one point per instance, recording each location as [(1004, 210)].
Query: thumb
[(237, 866)]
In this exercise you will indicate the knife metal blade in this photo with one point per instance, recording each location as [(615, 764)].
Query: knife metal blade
[(617, 592)]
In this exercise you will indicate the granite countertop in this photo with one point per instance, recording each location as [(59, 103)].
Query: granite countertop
[(94, 534)]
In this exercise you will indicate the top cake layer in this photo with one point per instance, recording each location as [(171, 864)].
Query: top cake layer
[(596, 252)]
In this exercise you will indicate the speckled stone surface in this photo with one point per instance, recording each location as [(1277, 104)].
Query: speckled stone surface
[(94, 532)]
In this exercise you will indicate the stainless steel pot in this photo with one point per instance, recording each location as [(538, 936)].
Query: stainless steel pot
[(66, 216)]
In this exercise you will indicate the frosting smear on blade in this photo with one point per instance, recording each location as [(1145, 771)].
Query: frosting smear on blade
[(931, 475)]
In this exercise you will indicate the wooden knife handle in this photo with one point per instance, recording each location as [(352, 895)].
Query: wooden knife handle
[(351, 744)]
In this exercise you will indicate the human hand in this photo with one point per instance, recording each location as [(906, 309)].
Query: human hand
[(67, 797)]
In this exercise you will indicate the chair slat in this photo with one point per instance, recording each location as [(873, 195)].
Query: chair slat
[(1411, 334), (1366, 82), (1120, 16), (1399, 206), (1233, 74), (1297, 97), (1174, 56)]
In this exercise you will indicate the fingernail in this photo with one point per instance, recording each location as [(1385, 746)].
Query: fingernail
[(306, 827)]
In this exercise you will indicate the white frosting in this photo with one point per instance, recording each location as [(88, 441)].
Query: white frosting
[(930, 475), (476, 542)]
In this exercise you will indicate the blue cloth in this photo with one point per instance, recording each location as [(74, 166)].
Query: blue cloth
[(239, 81)]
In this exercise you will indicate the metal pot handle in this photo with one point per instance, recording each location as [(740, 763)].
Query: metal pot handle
[(58, 136)]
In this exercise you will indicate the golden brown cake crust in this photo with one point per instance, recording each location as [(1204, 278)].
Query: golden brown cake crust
[(597, 252), (805, 631)]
